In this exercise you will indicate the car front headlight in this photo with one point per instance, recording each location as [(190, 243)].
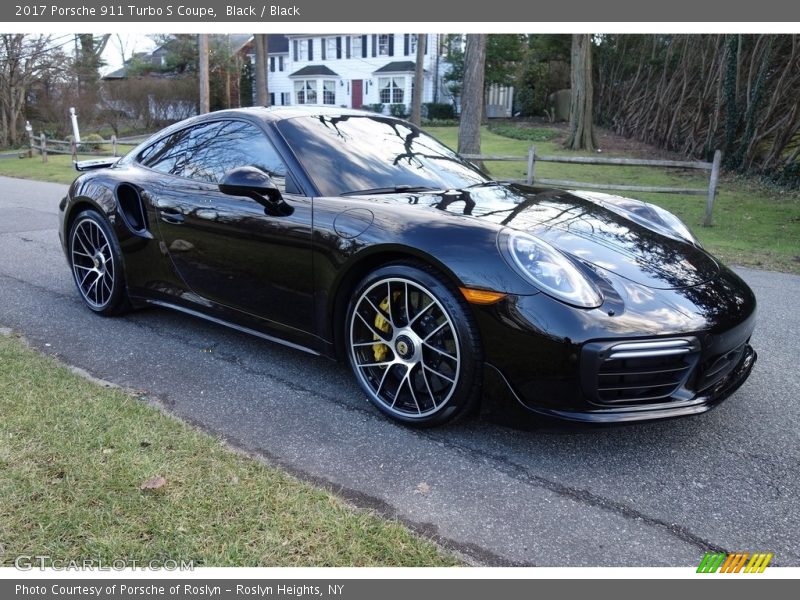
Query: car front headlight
[(674, 224), (549, 270)]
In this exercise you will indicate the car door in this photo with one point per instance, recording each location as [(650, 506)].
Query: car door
[(231, 250)]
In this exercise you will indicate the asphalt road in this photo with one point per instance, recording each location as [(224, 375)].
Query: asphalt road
[(652, 494)]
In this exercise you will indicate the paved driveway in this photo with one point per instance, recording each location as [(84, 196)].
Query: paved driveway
[(653, 494)]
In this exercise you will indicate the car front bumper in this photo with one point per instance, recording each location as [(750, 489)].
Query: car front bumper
[(676, 353)]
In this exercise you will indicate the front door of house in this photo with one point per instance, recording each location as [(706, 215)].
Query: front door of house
[(358, 93)]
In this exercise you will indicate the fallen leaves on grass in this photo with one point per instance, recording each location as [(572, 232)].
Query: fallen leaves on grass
[(154, 483)]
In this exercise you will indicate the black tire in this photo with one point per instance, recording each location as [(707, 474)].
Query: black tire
[(417, 356), (96, 262)]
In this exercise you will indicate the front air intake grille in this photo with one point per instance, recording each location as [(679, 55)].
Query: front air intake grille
[(638, 372)]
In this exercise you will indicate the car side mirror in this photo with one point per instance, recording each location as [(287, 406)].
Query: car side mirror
[(251, 182)]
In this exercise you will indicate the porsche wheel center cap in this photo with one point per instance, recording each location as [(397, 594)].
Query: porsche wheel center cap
[(404, 347)]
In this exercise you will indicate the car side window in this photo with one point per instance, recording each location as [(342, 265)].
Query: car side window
[(207, 152), (167, 154)]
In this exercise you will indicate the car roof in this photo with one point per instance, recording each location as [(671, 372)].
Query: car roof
[(271, 114), (280, 113)]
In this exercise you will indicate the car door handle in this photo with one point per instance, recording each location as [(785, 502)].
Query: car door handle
[(171, 215)]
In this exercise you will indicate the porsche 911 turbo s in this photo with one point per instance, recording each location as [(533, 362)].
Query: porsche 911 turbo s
[(359, 237)]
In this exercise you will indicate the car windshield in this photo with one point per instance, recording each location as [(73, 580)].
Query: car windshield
[(348, 154)]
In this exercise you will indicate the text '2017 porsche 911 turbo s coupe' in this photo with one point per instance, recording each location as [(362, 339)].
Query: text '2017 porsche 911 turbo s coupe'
[(359, 237)]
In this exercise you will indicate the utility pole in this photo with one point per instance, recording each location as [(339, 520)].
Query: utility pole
[(262, 96), (205, 95)]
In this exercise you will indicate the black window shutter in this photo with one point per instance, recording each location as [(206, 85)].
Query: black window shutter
[(374, 45), (294, 46), (311, 49), (391, 44), (426, 43), (364, 46), (347, 45), (339, 47), (323, 48), (405, 44)]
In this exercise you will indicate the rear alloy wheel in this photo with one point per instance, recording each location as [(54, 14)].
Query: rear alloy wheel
[(413, 346), (96, 264)]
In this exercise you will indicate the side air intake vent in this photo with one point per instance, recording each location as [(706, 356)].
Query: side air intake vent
[(131, 208)]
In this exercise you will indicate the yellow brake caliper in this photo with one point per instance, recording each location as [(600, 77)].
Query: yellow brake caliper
[(380, 350)]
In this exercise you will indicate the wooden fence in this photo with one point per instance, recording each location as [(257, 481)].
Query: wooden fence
[(43, 146), (709, 192)]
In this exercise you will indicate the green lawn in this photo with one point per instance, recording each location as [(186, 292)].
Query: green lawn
[(57, 169), (754, 225), (74, 454)]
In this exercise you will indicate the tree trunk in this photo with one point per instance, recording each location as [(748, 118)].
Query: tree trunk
[(581, 136), (262, 68), (469, 129), (202, 73), (419, 80)]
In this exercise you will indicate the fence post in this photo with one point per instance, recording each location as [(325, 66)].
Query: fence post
[(531, 164), (114, 146), (74, 149), (712, 187), (31, 143), (43, 142)]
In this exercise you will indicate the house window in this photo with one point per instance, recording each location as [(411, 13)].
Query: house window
[(329, 91), (330, 47), (392, 89), (286, 98), (355, 46), (302, 50), (383, 45), (305, 91), (412, 44)]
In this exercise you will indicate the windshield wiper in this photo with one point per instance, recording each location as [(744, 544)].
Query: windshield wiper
[(397, 189)]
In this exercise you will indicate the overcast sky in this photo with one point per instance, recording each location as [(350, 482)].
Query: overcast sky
[(124, 43)]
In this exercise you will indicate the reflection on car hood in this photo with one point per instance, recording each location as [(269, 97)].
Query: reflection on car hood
[(584, 229)]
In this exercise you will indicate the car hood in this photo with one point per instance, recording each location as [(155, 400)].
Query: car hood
[(589, 227)]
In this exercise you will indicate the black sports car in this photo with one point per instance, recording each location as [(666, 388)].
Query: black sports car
[(359, 237)]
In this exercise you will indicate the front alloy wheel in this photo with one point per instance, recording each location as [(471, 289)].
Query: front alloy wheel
[(412, 346)]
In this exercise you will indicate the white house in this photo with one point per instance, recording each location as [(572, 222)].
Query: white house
[(356, 70)]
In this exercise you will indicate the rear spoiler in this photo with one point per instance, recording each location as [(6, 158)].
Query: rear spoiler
[(97, 163)]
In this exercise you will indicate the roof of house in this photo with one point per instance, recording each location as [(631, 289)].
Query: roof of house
[(277, 43), (398, 66), (237, 40), (314, 70), (120, 73)]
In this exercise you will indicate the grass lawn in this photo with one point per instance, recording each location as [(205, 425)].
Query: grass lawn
[(754, 225), (74, 454), (57, 169)]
